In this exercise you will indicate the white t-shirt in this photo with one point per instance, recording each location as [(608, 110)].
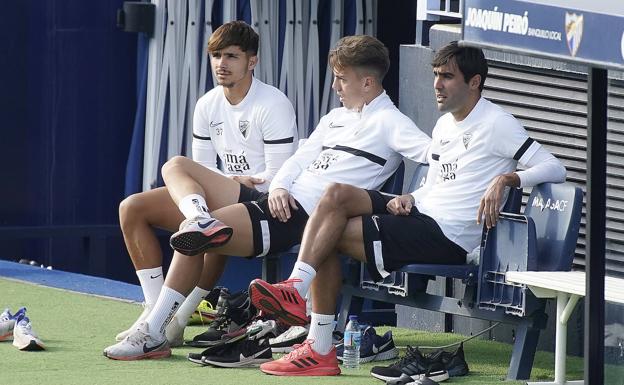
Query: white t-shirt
[(465, 156), (362, 149), (253, 137)]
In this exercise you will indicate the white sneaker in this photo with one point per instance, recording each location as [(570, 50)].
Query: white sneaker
[(7, 323), (146, 310), (175, 333), (139, 345), (199, 234), (261, 329), (285, 341), (24, 337)]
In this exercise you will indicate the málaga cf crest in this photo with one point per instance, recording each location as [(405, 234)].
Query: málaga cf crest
[(574, 31)]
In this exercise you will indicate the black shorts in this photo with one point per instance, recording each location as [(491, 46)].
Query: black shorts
[(248, 194), (269, 234), (393, 241)]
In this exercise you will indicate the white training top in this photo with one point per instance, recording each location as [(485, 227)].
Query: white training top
[(254, 137), (362, 149), (465, 156)]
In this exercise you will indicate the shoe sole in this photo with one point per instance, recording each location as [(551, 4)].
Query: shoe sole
[(7, 337), (383, 356), (146, 356), (264, 300), (201, 240), (246, 363), (434, 376), (219, 342), (309, 372), (197, 361)]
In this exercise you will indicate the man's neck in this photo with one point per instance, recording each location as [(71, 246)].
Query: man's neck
[(369, 98), (237, 93), (461, 114)]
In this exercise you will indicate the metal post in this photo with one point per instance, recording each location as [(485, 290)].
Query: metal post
[(595, 237)]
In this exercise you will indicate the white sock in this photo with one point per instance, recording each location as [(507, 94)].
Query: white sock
[(193, 205), (152, 281), (306, 274), (168, 303), (321, 328), (189, 305)]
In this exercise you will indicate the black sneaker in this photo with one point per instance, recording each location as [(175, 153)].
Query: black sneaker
[(453, 362), (413, 366), (214, 349), (245, 352), (235, 311)]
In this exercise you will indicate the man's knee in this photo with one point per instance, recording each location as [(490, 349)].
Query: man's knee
[(130, 208), (336, 195), (178, 162)]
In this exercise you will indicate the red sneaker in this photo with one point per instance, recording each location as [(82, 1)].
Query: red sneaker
[(303, 361), (280, 299)]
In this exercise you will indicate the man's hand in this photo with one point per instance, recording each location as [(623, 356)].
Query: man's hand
[(280, 202), (401, 205), (490, 205), (248, 181)]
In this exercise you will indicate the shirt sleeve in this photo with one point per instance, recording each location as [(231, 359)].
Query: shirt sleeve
[(408, 140), (512, 140), (279, 132), (433, 156), (204, 152)]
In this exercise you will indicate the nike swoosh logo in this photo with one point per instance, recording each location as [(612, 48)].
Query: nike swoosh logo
[(243, 357), (147, 349), (203, 225), (320, 324), (155, 276), (332, 125), (444, 142), (213, 124), (382, 347)]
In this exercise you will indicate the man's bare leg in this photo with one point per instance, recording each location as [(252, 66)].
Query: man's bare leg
[(326, 286), (324, 229)]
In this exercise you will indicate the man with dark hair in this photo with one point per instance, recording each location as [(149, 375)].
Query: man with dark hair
[(251, 127), (361, 144), (473, 156)]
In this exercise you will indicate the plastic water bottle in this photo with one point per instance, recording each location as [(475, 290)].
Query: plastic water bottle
[(352, 340)]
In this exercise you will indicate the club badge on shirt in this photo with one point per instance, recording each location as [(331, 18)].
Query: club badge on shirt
[(243, 126), (466, 139)]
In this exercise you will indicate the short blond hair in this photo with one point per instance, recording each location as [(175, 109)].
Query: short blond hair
[(361, 52)]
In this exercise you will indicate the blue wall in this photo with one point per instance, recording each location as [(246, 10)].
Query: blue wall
[(67, 102)]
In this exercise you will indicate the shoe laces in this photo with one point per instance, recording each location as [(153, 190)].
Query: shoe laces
[(410, 356), (137, 337), (299, 350)]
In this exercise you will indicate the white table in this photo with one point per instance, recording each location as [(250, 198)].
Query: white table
[(567, 287)]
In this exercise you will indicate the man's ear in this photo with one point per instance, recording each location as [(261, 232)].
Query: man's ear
[(253, 61), (475, 82)]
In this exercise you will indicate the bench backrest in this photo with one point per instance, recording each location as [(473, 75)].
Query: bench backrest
[(394, 184), (556, 211)]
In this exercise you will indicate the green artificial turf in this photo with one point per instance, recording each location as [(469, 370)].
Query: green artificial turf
[(76, 328)]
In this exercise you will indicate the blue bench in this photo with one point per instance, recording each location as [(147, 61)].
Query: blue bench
[(544, 238)]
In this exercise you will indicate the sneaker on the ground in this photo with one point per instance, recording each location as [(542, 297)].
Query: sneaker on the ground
[(235, 312), (303, 361), (281, 300), (414, 365), (262, 329), (421, 381), (174, 332), (453, 362), (373, 347), (207, 309), (139, 345), (293, 336), (245, 352), (216, 348), (7, 323), (24, 337), (199, 234), (146, 310)]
